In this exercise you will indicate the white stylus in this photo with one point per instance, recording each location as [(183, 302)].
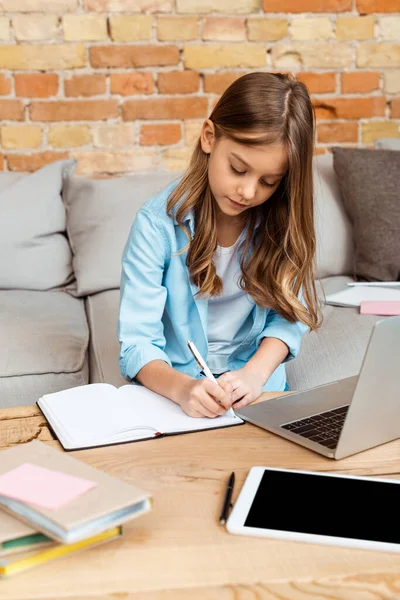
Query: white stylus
[(203, 366), (201, 362)]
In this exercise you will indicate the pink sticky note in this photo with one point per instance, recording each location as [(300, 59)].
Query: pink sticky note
[(43, 487), (384, 307)]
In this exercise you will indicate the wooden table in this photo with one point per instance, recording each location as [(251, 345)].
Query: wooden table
[(179, 551)]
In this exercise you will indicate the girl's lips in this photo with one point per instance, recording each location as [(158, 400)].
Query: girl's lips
[(237, 204)]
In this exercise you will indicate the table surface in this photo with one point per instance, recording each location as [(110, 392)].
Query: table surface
[(179, 551)]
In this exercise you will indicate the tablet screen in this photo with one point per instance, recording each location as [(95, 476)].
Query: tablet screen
[(324, 505)]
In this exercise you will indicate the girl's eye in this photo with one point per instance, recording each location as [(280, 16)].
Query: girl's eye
[(237, 172), (265, 183), (268, 184)]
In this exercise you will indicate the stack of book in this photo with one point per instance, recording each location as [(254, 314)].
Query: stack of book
[(71, 506)]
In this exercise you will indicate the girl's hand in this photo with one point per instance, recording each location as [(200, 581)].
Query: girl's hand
[(203, 398), (243, 386)]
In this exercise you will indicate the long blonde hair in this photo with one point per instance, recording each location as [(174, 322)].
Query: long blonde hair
[(277, 262)]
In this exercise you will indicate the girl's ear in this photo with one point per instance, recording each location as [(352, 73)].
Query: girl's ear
[(207, 136)]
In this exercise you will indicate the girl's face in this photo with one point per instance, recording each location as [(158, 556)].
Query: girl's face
[(241, 176)]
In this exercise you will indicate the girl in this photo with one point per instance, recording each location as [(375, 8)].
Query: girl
[(224, 256)]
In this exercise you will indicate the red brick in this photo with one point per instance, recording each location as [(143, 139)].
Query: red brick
[(337, 132), (395, 107), (349, 108), (74, 110), (178, 82), (33, 162), (165, 108), (129, 84), (133, 56), (377, 6), (217, 83), (360, 82), (12, 110), (318, 83), (85, 85), (162, 134), (36, 85), (299, 6), (5, 85)]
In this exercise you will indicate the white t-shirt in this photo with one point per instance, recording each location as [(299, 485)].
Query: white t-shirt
[(229, 315)]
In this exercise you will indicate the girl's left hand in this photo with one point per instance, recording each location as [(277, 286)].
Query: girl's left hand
[(243, 386)]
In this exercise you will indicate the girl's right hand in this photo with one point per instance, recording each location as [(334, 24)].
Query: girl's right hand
[(203, 398)]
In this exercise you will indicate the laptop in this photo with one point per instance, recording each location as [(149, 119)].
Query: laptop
[(343, 417)]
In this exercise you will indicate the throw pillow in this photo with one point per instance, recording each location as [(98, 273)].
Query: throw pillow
[(369, 182), (333, 231), (33, 245), (100, 213)]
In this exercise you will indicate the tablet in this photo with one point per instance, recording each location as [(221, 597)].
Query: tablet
[(322, 508)]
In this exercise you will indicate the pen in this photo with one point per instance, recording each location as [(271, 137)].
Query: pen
[(203, 366), (201, 362), (227, 500)]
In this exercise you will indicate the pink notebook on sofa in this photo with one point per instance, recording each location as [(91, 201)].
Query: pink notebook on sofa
[(384, 307)]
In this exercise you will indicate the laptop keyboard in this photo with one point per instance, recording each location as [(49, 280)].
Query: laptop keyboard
[(323, 428)]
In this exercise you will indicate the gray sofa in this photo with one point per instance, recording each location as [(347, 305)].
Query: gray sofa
[(61, 240)]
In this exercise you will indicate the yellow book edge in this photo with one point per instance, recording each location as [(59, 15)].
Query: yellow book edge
[(60, 550)]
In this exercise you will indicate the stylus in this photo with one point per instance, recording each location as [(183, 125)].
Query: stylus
[(201, 362), (227, 500)]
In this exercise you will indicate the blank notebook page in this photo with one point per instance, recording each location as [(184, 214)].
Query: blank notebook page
[(99, 412), (167, 416), (353, 296)]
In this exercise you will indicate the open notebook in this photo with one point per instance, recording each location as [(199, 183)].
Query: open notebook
[(99, 414), (353, 296)]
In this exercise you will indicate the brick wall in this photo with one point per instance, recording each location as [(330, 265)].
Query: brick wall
[(123, 85)]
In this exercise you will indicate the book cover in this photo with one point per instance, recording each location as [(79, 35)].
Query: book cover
[(110, 503), (16, 563)]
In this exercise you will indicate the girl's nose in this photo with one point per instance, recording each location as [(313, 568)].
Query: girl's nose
[(247, 190)]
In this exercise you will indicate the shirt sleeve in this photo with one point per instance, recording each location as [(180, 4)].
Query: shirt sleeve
[(291, 334), (143, 295)]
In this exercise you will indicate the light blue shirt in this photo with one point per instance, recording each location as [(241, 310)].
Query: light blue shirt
[(158, 309)]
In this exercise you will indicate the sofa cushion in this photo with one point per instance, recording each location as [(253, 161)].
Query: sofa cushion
[(7, 178), (102, 313), (45, 339), (99, 216), (334, 235), (337, 349), (33, 245), (369, 181)]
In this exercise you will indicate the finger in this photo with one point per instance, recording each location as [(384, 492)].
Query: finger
[(225, 377), (218, 394), (227, 387), (239, 393), (210, 403), (247, 399), (210, 408), (200, 409)]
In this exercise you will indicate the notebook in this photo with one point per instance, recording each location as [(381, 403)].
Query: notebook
[(16, 536), (109, 504), (384, 308), (17, 562), (353, 296), (99, 414)]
